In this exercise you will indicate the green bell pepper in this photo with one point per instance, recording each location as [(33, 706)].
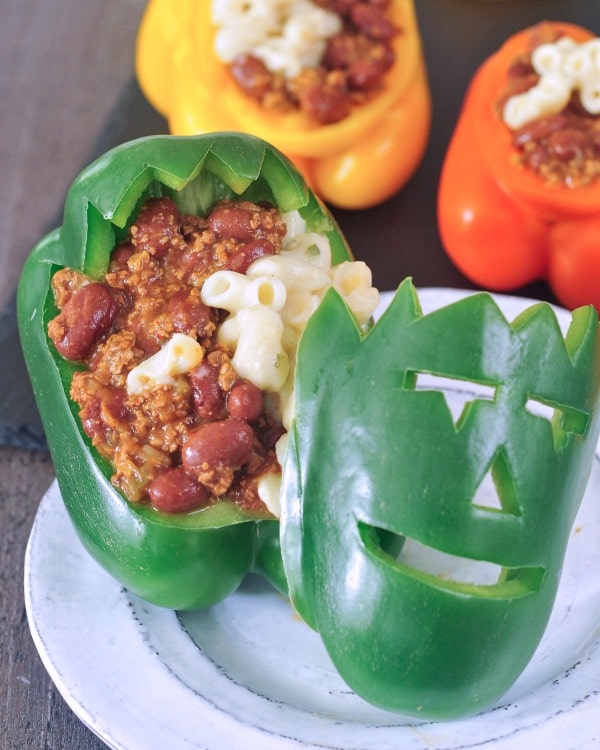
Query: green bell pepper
[(177, 561), (371, 454)]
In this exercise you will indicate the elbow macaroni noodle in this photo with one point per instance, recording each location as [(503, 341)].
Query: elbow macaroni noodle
[(563, 66), (269, 485), (287, 35), (268, 309), (234, 291), (259, 354), (178, 356), (353, 282)]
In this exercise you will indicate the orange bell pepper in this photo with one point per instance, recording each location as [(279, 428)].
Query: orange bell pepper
[(355, 163), (500, 223)]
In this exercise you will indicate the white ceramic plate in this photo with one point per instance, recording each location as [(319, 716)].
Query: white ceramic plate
[(248, 674)]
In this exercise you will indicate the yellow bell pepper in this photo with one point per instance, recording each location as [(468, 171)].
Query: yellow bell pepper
[(357, 162)]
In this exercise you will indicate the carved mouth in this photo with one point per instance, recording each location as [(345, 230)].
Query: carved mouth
[(439, 569), (459, 395)]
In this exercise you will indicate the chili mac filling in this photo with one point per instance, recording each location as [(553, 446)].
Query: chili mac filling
[(188, 346), (552, 105), (323, 57)]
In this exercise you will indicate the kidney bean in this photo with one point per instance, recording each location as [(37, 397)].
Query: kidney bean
[(536, 157), (190, 261), (538, 129), (91, 418), (567, 144), (85, 317), (327, 104), (244, 256), (595, 142), (364, 60), (522, 67), (147, 339), (189, 313), (269, 433), (251, 75), (366, 72), (232, 221), (156, 228), (342, 7), (209, 399), (341, 51), (245, 401), (120, 256), (226, 444), (114, 400), (371, 21), (175, 491)]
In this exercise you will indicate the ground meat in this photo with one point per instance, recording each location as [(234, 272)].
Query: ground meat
[(65, 283), (351, 70), (153, 284), (156, 230), (564, 148), (361, 61)]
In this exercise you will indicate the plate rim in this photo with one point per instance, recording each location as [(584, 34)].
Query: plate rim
[(428, 295)]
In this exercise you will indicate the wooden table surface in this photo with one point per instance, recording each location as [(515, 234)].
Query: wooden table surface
[(68, 93)]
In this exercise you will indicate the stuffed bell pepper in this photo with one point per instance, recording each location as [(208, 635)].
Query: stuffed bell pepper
[(159, 325), (340, 87), (519, 196)]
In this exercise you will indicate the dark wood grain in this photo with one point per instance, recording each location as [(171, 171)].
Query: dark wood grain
[(68, 93), (67, 87), (32, 713)]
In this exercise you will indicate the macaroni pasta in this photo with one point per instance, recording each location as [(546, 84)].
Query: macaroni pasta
[(563, 66)]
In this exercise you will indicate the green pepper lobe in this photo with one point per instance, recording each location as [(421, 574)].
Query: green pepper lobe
[(373, 452), (177, 561)]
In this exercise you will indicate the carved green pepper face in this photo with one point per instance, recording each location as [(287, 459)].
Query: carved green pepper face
[(376, 453)]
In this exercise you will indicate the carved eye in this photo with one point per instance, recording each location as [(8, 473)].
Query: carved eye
[(563, 419), (458, 393)]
